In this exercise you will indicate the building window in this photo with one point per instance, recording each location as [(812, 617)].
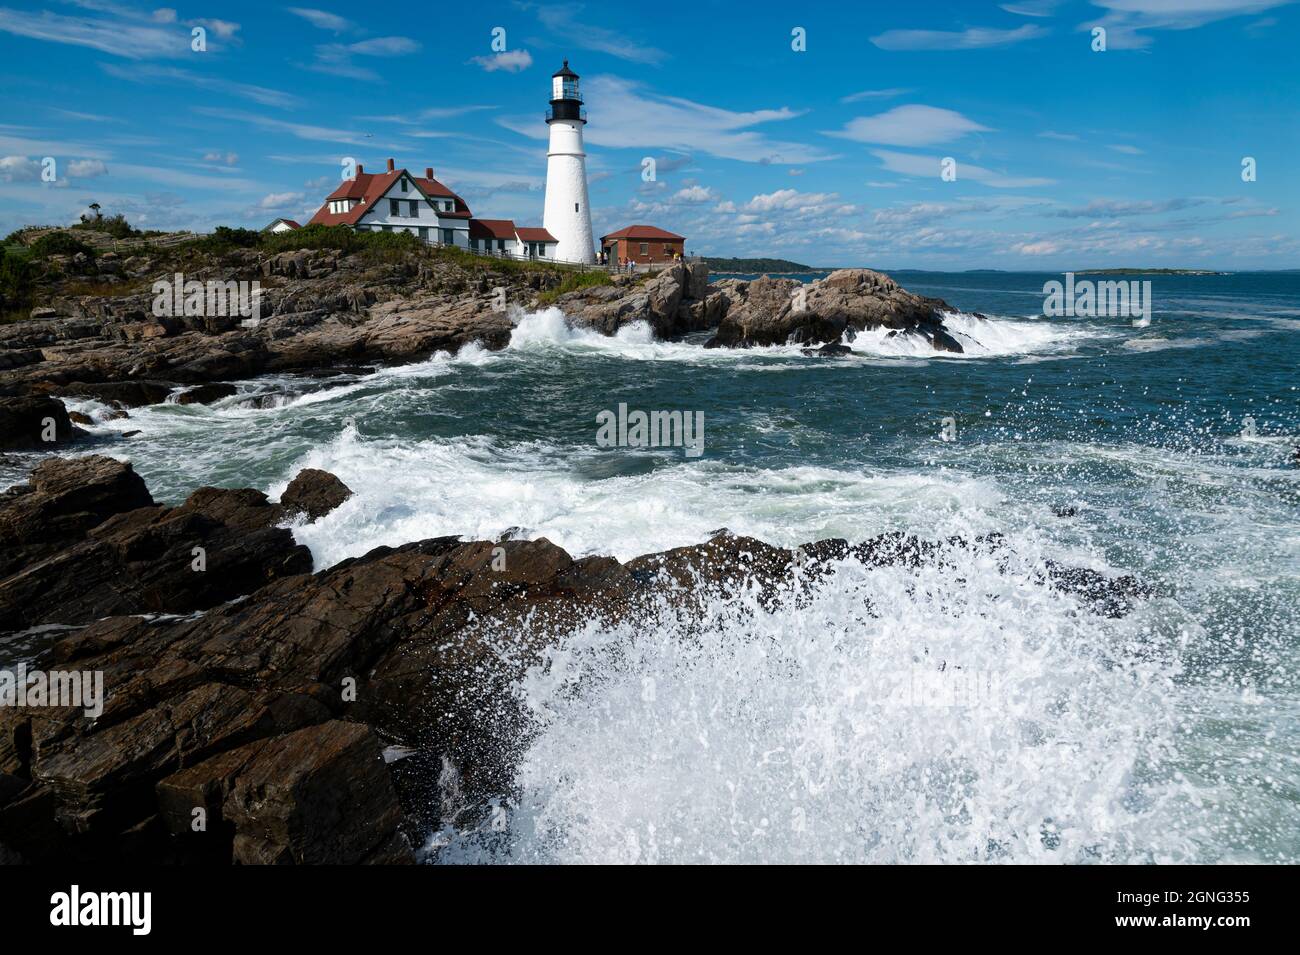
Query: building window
[(541, 248), (393, 208), (473, 245), (424, 234), (415, 209), (403, 185), (645, 248), (501, 245), (448, 238)]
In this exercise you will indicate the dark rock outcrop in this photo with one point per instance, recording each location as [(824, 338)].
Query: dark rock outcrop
[(314, 493), (85, 540), (33, 422)]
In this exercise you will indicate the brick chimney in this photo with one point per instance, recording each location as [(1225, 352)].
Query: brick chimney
[(390, 165), (428, 172), (361, 170)]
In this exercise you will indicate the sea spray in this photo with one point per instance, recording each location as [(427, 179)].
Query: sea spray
[(748, 735)]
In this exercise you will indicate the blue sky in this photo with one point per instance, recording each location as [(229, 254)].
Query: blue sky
[(1066, 157)]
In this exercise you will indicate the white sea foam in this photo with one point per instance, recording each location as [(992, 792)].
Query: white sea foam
[(957, 715)]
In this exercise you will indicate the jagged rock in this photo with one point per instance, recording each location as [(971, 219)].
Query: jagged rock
[(218, 545), (779, 311), (314, 493), (63, 499), (673, 302), (30, 422)]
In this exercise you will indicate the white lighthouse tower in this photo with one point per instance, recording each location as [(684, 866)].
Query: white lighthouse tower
[(566, 216)]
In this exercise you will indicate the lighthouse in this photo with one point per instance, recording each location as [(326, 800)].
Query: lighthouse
[(566, 215)]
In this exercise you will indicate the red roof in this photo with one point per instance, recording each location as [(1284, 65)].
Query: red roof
[(370, 187), (491, 229), (643, 232), (532, 234)]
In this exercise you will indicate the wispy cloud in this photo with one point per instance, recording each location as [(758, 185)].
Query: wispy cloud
[(1125, 20), (324, 134), (633, 117), (910, 164), (911, 125), (337, 58), (874, 94), (573, 24), (169, 75), (324, 19), (118, 37), (974, 38)]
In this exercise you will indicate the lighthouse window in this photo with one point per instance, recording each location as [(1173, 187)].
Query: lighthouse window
[(575, 207)]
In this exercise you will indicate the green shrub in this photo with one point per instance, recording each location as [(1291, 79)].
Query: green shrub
[(17, 275), (58, 243), (573, 281), (116, 226)]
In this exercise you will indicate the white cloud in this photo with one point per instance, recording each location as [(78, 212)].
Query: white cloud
[(229, 159), (19, 169), (511, 61), (324, 19), (1127, 149), (694, 194), (280, 200), (911, 125), (86, 168), (971, 39), (799, 203), (910, 164)]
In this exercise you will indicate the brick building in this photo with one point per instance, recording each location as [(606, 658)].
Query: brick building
[(642, 244)]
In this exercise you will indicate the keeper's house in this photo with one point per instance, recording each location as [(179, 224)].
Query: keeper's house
[(642, 244), (396, 201)]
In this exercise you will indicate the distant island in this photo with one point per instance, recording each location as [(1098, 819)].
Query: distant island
[(1148, 272), (753, 266)]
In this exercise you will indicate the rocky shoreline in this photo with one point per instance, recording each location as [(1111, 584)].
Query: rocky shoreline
[(260, 710), (257, 710), (323, 311)]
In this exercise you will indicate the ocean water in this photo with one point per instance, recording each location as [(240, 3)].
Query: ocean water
[(954, 714)]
